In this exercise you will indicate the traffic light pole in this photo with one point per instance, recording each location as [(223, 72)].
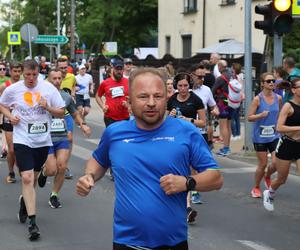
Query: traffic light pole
[(248, 74), (277, 50)]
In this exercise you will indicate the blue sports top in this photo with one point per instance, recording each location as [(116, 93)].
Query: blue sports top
[(144, 215), (264, 129)]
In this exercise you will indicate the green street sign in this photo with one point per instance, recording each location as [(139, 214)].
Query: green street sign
[(49, 39)]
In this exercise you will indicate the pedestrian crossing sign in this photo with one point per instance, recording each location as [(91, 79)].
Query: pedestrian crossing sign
[(13, 38), (296, 9)]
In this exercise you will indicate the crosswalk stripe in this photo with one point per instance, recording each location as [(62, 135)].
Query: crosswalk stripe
[(238, 170), (255, 245), (94, 141)]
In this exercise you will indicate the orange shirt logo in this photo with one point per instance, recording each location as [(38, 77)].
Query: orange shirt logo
[(32, 98)]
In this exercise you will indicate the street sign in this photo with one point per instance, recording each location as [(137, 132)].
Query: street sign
[(296, 9), (28, 32), (51, 39), (13, 38)]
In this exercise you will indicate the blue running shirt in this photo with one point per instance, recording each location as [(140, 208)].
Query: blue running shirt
[(144, 215)]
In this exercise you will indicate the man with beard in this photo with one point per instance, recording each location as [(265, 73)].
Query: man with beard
[(115, 91)]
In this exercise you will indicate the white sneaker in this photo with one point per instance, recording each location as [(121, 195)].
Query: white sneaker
[(268, 201)]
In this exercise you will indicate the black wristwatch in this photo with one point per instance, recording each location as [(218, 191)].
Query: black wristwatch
[(190, 183), (192, 120)]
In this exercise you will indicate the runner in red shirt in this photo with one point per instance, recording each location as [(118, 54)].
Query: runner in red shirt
[(115, 91)]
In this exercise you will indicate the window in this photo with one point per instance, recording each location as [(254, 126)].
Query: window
[(190, 6), (168, 45), (228, 2), (186, 46)]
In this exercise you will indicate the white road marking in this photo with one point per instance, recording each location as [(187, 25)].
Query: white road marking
[(94, 141), (81, 152), (255, 245)]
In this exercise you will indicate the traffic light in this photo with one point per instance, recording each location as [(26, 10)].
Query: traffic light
[(277, 17), (282, 16), (266, 25)]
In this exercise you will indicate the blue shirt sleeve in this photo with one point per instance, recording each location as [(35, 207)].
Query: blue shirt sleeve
[(201, 156), (101, 154)]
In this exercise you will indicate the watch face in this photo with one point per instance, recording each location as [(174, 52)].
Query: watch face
[(191, 183)]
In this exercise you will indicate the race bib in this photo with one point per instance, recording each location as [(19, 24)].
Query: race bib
[(117, 91), (58, 125), (267, 131), (37, 128), (86, 96)]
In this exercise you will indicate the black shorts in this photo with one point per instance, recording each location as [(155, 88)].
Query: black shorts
[(181, 246), (288, 149), (6, 125), (265, 147), (30, 158), (80, 101)]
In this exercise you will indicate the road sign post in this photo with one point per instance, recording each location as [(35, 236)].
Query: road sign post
[(51, 39)]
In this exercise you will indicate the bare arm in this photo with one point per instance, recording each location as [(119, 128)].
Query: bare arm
[(101, 103), (284, 113), (6, 111), (84, 128), (252, 117), (93, 172), (206, 181)]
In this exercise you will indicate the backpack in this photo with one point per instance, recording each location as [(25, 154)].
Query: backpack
[(234, 95)]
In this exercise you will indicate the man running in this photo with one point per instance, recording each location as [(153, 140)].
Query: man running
[(33, 103), (16, 70), (146, 183), (58, 155)]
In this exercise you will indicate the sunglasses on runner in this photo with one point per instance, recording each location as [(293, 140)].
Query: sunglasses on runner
[(270, 81), (199, 77), (2, 69)]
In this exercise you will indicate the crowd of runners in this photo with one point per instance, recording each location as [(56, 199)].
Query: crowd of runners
[(146, 112)]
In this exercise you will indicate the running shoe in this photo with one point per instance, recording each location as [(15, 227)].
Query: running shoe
[(256, 192), (268, 201), (267, 181), (22, 215), (42, 179), (11, 178), (68, 174), (191, 215), (34, 232), (224, 151), (54, 202), (196, 197)]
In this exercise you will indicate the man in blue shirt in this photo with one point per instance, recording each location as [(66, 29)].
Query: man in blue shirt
[(151, 158)]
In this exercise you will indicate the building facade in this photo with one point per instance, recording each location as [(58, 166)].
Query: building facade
[(186, 26)]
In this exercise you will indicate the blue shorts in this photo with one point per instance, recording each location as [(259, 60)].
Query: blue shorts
[(28, 158), (80, 101), (65, 144), (69, 123)]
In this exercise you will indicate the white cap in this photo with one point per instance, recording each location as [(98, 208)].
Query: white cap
[(82, 66)]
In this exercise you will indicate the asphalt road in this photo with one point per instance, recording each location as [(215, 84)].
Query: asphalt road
[(228, 219)]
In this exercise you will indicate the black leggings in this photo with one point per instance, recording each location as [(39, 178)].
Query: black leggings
[(181, 246)]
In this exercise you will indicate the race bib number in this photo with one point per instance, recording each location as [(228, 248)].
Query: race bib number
[(86, 96), (37, 128), (267, 131), (117, 91), (58, 125)]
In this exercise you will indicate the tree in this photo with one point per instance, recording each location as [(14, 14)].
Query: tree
[(131, 23)]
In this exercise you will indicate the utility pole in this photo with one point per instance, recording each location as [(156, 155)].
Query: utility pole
[(72, 40), (58, 27), (10, 28), (248, 73)]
